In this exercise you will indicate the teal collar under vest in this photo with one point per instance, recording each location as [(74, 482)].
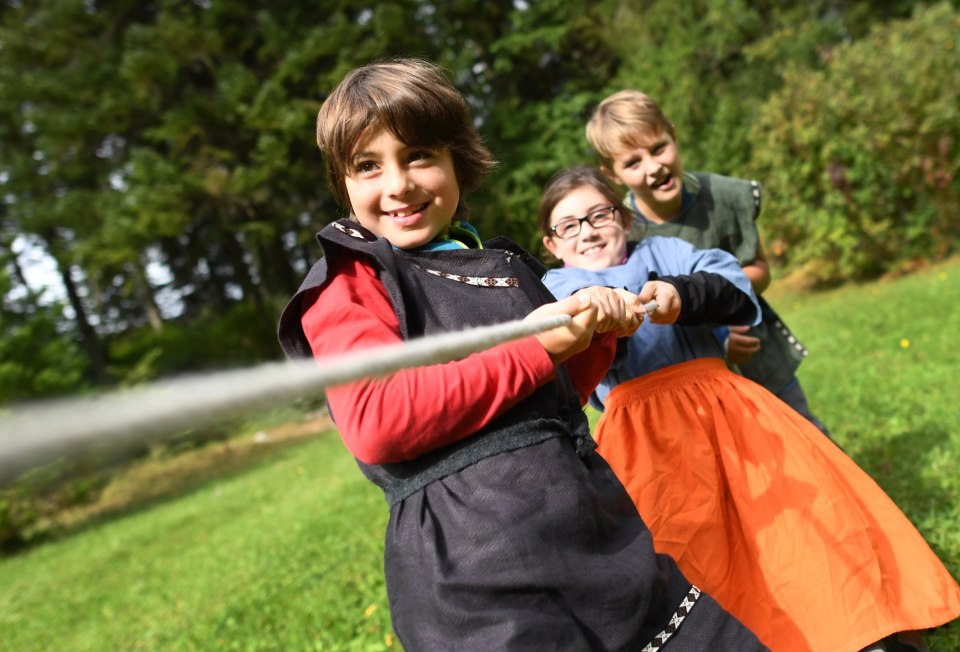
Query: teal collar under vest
[(461, 235)]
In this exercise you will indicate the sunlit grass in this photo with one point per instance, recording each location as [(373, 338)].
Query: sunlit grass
[(284, 557)]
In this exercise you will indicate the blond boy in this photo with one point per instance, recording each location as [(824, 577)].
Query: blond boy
[(638, 147)]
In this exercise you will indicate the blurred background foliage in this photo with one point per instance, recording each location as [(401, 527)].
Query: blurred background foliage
[(162, 153)]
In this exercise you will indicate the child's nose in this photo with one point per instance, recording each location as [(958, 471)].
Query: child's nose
[(587, 230), (398, 181)]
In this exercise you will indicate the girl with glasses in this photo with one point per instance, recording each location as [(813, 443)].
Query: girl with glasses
[(755, 504)]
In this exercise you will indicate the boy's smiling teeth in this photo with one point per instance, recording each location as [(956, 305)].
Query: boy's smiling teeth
[(591, 250), (407, 212)]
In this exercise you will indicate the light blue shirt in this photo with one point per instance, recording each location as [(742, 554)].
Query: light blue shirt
[(655, 346)]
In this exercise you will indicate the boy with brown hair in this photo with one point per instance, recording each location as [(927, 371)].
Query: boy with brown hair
[(638, 148)]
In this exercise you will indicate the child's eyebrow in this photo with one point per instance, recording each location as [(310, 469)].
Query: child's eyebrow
[(587, 212), (360, 155)]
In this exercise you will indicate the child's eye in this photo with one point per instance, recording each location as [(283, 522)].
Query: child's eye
[(420, 155), (658, 148), (364, 167)]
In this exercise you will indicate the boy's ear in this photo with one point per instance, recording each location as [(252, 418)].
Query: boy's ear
[(551, 246)]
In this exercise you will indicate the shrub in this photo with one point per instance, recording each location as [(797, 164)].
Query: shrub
[(36, 360), (240, 336), (860, 159)]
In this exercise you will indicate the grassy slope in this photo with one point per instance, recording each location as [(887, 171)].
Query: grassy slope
[(284, 557), (287, 555)]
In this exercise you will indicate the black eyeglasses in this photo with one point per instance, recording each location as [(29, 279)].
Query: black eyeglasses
[(597, 218)]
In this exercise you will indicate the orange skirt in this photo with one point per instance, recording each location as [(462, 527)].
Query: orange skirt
[(767, 515)]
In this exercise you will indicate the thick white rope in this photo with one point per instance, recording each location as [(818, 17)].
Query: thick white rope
[(41, 433)]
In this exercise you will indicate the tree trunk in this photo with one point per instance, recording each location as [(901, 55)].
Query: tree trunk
[(30, 304), (278, 274), (88, 334), (18, 274), (145, 294)]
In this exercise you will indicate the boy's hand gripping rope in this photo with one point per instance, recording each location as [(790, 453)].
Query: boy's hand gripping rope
[(39, 434)]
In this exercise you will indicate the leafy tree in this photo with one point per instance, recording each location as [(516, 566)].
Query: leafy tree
[(864, 181), (36, 359), (190, 128), (180, 133), (58, 96), (532, 83)]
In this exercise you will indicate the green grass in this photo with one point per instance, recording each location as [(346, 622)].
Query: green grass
[(286, 555), (283, 557)]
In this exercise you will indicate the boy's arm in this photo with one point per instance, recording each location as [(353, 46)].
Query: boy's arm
[(739, 345), (704, 298), (720, 291), (415, 410), (758, 271)]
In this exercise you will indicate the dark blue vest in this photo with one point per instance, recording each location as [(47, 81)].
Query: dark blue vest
[(437, 292)]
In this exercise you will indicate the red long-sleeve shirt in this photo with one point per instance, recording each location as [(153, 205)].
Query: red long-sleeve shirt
[(416, 410)]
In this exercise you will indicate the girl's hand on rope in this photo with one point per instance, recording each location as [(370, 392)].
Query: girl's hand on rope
[(566, 341), (667, 298), (617, 310)]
